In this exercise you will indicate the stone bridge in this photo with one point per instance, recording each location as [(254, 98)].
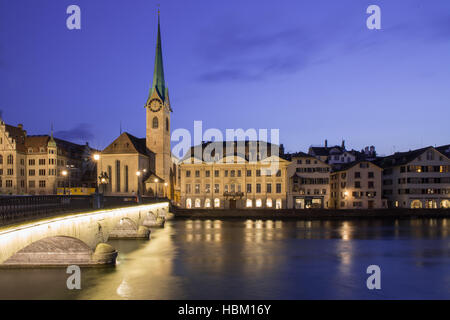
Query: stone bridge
[(77, 238)]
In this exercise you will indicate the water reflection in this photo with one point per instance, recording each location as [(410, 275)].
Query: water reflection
[(260, 259)]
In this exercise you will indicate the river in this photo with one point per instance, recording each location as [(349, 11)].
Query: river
[(245, 259)]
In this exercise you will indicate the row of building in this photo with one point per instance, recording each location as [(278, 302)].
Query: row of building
[(325, 177), (236, 174)]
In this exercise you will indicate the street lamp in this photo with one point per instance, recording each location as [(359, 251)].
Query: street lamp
[(156, 187), (64, 173), (165, 189), (138, 174)]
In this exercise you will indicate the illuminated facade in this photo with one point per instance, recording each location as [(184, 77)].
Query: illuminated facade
[(308, 182), (35, 164), (417, 179), (357, 185), (236, 180)]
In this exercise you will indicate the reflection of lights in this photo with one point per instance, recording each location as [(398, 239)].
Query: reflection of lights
[(124, 289), (278, 224), (345, 231), (189, 237), (269, 224), (258, 224), (208, 237), (248, 224), (189, 224), (217, 224), (217, 237), (208, 224)]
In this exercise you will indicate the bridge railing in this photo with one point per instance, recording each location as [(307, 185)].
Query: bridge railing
[(22, 208)]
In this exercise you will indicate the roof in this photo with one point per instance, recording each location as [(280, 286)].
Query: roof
[(127, 143), (325, 151), (400, 158), (445, 149), (158, 83), (249, 152), (18, 134), (349, 165)]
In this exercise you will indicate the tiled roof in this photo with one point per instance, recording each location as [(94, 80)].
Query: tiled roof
[(400, 158), (127, 143)]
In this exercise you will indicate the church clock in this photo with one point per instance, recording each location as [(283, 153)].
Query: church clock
[(155, 105)]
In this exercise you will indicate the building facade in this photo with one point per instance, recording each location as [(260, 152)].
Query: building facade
[(308, 182), (417, 179), (38, 165), (357, 185), (233, 180)]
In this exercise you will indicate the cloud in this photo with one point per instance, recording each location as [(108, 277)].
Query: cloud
[(81, 132), (233, 54)]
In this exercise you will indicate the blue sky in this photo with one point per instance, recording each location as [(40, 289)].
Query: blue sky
[(310, 68)]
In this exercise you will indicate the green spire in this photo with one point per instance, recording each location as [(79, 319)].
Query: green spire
[(158, 75)]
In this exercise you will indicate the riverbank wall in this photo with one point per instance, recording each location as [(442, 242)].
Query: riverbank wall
[(314, 214)]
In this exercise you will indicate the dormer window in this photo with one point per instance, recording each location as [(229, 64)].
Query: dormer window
[(30, 150)]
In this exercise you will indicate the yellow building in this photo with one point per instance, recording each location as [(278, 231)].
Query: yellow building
[(40, 164), (240, 179)]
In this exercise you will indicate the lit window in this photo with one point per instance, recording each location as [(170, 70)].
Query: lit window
[(278, 204), (258, 203), (188, 203), (269, 203), (249, 203), (216, 202), (207, 203), (198, 203)]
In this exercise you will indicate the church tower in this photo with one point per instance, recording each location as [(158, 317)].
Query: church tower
[(158, 117)]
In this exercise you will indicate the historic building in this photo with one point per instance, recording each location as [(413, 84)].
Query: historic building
[(418, 178), (131, 165), (308, 182), (356, 185), (40, 164), (227, 176)]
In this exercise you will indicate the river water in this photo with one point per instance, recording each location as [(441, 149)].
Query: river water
[(245, 259)]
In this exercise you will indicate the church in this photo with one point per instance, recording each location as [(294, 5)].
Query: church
[(143, 166)]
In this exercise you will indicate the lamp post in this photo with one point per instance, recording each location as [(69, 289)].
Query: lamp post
[(165, 189), (64, 173), (156, 187), (138, 174), (97, 196)]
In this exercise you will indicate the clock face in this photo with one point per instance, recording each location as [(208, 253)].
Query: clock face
[(155, 105)]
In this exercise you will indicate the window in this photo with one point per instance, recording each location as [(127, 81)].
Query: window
[(357, 184), (357, 175), (232, 173), (155, 123), (258, 188), (370, 174), (9, 183), (249, 203), (197, 188), (258, 203), (207, 173), (249, 187), (42, 162), (269, 188), (41, 183), (42, 172), (216, 188), (299, 161), (278, 204), (430, 155), (188, 188), (278, 187), (117, 175), (216, 173), (167, 124), (239, 173), (371, 185), (1, 159), (10, 159), (10, 172), (258, 173), (269, 202), (197, 173), (279, 173), (216, 203), (126, 178), (226, 173), (207, 188), (249, 173), (188, 173), (188, 203), (198, 203), (31, 184), (207, 203)]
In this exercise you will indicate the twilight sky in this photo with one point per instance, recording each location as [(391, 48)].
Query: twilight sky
[(310, 68)]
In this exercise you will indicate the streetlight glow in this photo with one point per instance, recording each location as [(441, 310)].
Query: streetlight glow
[(138, 173), (64, 172), (96, 157)]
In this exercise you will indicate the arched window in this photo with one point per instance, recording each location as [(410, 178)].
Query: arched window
[(167, 124), (258, 203), (249, 203), (278, 204), (188, 203), (416, 204), (269, 203), (155, 123), (198, 203), (208, 203), (216, 202)]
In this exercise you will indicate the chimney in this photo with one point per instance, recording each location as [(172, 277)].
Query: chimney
[(343, 144), (281, 149), (326, 143)]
